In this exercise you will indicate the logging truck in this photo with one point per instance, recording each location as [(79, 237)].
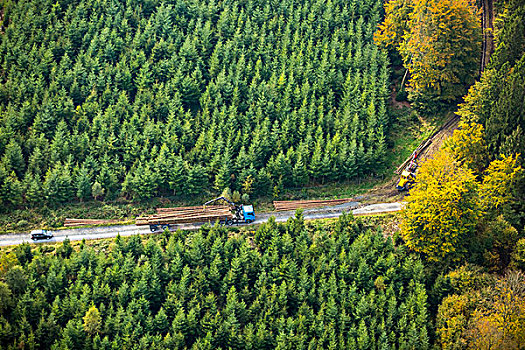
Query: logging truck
[(229, 214)]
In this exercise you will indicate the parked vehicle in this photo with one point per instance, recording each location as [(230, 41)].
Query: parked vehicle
[(41, 234)]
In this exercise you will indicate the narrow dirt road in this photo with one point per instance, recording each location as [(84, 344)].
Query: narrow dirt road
[(77, 234)]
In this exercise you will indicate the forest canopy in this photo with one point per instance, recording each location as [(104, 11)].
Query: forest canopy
[(439, 42), (339, 285), (140, 98)]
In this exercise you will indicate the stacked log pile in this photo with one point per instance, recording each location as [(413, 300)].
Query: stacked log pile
[(307, 204), (183, 215), (85, 222)]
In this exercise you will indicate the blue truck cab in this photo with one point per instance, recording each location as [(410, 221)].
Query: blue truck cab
[(248, 214)]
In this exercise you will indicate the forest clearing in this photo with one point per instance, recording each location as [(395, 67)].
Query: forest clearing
[(104, 232)]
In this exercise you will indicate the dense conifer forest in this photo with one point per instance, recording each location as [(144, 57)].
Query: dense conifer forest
[(141, 98), (287, 286)]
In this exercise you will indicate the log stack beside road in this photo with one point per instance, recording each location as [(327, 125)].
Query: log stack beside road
[(86, 222), (307, 204)]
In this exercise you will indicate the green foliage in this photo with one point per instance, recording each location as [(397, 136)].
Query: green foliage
[(83, 184), (97, 191), (497, 100), (518, 256), (439, 41), (334, 285), (151, 98)]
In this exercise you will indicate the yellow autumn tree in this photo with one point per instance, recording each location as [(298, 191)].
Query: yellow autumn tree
[(442, 209), (452, 320), (391, 31), (499, 180), (490, 314), (459, 202), (500, 324), (467, 145), (439, 41)]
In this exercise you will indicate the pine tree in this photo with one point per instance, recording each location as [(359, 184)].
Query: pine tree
[(11, 190), (300, 174), (58, 187), (163, 166), (32, 189), (223, 177), (13, 159), (92, 320), (316, 163), (83, 184), (177, 175), (196, 180)]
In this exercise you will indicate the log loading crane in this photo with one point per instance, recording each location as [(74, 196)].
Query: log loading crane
[(242, 214), (408, 176), (229, 214)]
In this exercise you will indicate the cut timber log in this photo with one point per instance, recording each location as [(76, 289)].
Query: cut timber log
[(307, 204), (84, 222), (183, 215)]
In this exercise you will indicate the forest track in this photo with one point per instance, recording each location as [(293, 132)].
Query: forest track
[(433, 143), (100, 232)]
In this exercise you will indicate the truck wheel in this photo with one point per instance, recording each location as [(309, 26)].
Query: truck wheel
[(229, 222), (153, 228), (249, 221), (165, 227)]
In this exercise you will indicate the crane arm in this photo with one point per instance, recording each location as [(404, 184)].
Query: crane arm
[(219, 199)]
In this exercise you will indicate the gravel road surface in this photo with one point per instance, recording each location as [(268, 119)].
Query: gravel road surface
[(76, 234)]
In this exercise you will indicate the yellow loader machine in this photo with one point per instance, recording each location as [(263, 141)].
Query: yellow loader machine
[(408, 176)]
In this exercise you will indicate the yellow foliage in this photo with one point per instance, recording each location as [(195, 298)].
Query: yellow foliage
[(391, 30), (452, 320), (441, 210), (441, 48), (439, 41), (492, 317), (468, 146), (501, 323), (468, 278), (7, 261), (448, 202), (496, 189), (92, 320)]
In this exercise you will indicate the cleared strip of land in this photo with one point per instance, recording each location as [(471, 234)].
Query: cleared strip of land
[(127, 230)]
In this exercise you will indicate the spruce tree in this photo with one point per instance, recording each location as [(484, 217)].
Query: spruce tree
[(83, 184)]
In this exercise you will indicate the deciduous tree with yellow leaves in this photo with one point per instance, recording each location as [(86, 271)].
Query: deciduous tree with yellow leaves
[(442, 209), (467, 145), (491, 315), (457, 205), (439, 41)]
